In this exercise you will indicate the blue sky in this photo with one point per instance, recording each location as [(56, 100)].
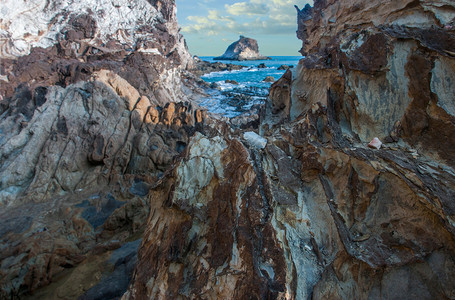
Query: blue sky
[(210, 26)]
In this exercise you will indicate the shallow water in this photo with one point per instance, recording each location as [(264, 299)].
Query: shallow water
[(232, 100)]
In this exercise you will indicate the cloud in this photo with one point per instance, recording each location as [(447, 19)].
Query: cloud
[(247, 17), (246, 8)]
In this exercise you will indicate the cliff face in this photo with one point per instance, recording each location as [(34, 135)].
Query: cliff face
[(389, 64), (62, 42), (316, 213), (244, 49), (82, 138)]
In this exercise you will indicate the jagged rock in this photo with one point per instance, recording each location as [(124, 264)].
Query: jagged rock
[(399, 56), (66, 42), (244, 49), (231, 82), (285, 67), (204, 67), (94, 162), (86, 129)]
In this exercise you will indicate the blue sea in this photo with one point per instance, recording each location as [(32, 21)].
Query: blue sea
[(231, 100)]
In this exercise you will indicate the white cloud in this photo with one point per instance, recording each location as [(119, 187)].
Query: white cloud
[(249, 18), (246, 8)]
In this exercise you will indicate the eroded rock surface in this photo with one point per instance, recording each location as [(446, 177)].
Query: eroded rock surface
[(94, 105), (317, 213)]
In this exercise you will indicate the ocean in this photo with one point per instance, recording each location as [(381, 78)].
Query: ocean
[(231, 100)]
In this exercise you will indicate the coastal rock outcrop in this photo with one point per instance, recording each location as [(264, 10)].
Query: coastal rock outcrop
[(202, 67), (172, 204), (60, 43), (94, 108), (244, 49), (317, 213), (75, 174)]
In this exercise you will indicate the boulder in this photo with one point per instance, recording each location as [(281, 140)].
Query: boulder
[(231, 82), (269, 79), (285, 67)]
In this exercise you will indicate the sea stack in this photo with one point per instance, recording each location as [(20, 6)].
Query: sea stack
[(244, 49)]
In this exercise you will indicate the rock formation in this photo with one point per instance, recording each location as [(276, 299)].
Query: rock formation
[(244, 49), (95, 176), (94, 109), (202, 67), (317, 213)]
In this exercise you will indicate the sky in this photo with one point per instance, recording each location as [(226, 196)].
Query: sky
[(210, 26)]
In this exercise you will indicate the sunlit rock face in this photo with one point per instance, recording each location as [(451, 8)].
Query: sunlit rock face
[(244, 49), (62, 42), (387, 68), (316, 213)]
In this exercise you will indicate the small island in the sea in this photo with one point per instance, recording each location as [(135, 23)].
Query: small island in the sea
[(244, 49)]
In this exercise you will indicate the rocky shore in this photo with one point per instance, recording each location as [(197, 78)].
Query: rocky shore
[(202, 67), (115, 185)]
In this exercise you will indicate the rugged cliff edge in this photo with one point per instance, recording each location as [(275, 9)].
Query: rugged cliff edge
[(316, 213), (244, 49)]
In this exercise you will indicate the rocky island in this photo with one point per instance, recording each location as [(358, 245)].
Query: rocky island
[(244, 49), (114, 184)]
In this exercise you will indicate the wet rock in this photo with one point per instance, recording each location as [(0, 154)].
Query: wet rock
[(97, 216), (114, 285), (231, 82), (262, 66), (285, 67), (269, 79), (204, 67)]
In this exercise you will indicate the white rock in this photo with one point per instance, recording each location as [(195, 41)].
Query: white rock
[(255, 140), (375, 144)]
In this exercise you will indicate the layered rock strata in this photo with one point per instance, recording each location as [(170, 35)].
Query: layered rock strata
[(76, 171), (317, 213), (94, 109), (243, 49)]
